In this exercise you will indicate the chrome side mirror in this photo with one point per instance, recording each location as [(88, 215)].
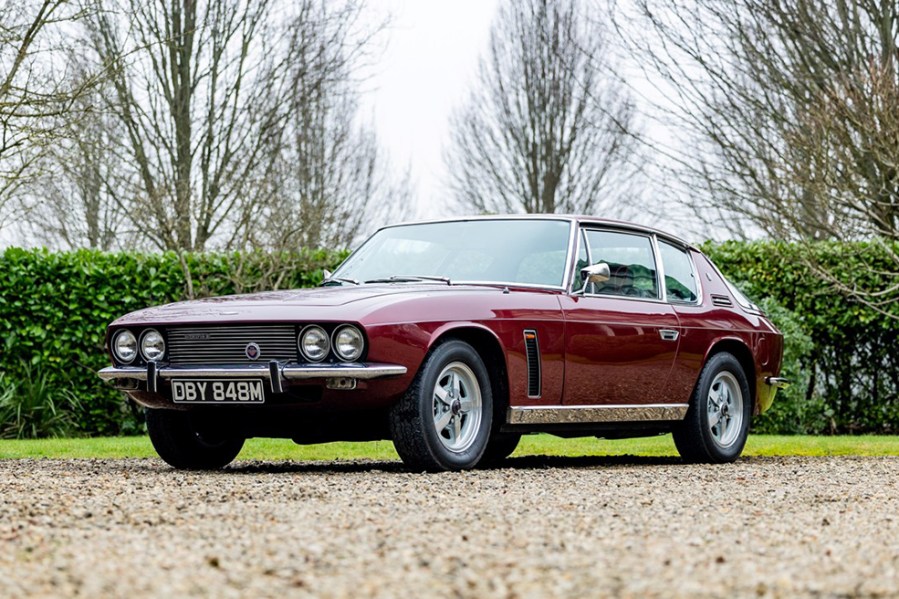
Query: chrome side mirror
[(596, 273), (326, 274)]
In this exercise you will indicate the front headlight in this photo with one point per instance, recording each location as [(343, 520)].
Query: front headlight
[(348, 343), (314, 343), (124, 346), (152, 345)]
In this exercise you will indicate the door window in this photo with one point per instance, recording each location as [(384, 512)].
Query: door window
[(631, 263), (680, 277)]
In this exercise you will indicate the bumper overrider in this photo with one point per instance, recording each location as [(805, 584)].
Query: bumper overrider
[(339, 376)]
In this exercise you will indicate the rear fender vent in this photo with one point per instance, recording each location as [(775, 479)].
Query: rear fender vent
[(722, 301), (532, 351)]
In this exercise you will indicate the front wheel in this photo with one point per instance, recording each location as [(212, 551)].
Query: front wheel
[(444, 420), (717, 421), (188, 442)]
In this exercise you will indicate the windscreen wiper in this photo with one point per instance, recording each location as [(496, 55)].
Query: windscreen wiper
[(411, 279), (338, 281)]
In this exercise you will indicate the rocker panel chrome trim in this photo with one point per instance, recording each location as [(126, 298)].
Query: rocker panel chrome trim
[(595, 414)]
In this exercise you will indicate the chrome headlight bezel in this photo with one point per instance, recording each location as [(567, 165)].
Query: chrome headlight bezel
[(144, 336), (358, 348), (325, 341), (128, 336)]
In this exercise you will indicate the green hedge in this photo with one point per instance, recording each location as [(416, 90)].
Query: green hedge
[(54, 308), (842, 354)]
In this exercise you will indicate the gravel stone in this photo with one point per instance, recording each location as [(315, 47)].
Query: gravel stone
[(561, 527)]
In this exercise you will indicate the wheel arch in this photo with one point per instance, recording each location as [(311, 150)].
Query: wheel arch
[(489, 348), (738, 349)]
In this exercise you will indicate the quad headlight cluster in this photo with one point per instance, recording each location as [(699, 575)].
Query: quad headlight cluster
[(315, 344), (346, 342), (125, 345)]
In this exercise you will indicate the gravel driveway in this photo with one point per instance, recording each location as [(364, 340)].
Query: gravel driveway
[(774, 527)]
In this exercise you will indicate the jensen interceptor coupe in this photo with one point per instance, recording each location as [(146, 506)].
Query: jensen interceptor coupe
[(455, 337)]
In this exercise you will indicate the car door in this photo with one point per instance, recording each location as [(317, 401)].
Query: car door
[(701, 322), (621, 338)]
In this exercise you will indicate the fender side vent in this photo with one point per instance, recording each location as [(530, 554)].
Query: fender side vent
[(721, 301), (532, 350)]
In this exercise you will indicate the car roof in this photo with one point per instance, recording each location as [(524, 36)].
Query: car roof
[(578, 218)]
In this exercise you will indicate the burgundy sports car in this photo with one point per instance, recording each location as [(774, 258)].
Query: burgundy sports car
[(453, 338)]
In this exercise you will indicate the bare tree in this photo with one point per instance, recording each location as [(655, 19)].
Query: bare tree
[(331, 181), (32, 89), (546, 128), (197, 90), (219, 124), (788, 109), (74, 201)]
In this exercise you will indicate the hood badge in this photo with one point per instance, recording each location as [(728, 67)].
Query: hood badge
[(252, 351)]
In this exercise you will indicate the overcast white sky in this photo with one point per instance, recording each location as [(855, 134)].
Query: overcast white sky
[(427, 68)]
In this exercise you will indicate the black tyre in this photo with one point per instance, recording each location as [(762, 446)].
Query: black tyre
[(500, 446), (717, 421), (190, 443), (444, 420)]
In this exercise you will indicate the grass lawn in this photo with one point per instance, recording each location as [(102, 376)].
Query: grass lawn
[(282, 449)]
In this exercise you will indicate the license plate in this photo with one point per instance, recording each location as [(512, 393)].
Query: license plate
[(230, 391)]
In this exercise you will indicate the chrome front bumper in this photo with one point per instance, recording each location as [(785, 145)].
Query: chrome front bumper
[(277, 374)]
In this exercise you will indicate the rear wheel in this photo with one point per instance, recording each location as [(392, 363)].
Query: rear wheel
[(717, 421), (444, 420), (189, 442)]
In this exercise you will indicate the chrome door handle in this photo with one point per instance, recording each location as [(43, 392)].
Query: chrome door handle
[(668, 334)]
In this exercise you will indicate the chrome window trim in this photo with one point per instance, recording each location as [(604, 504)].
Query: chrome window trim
[(578, 239), (623, 231), (569, 257), (572, 227), (660, 267)]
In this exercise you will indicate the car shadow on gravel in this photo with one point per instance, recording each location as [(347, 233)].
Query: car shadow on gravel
[(247, 467), (519, 463)]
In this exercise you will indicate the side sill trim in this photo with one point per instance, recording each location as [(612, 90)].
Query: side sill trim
[(592, 414)]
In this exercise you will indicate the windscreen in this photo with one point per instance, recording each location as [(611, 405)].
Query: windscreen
[(532, 252)]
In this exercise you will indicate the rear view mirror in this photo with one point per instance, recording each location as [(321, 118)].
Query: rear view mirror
[(596, 273)]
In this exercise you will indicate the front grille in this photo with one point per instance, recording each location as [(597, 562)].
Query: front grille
[(228, 345)]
